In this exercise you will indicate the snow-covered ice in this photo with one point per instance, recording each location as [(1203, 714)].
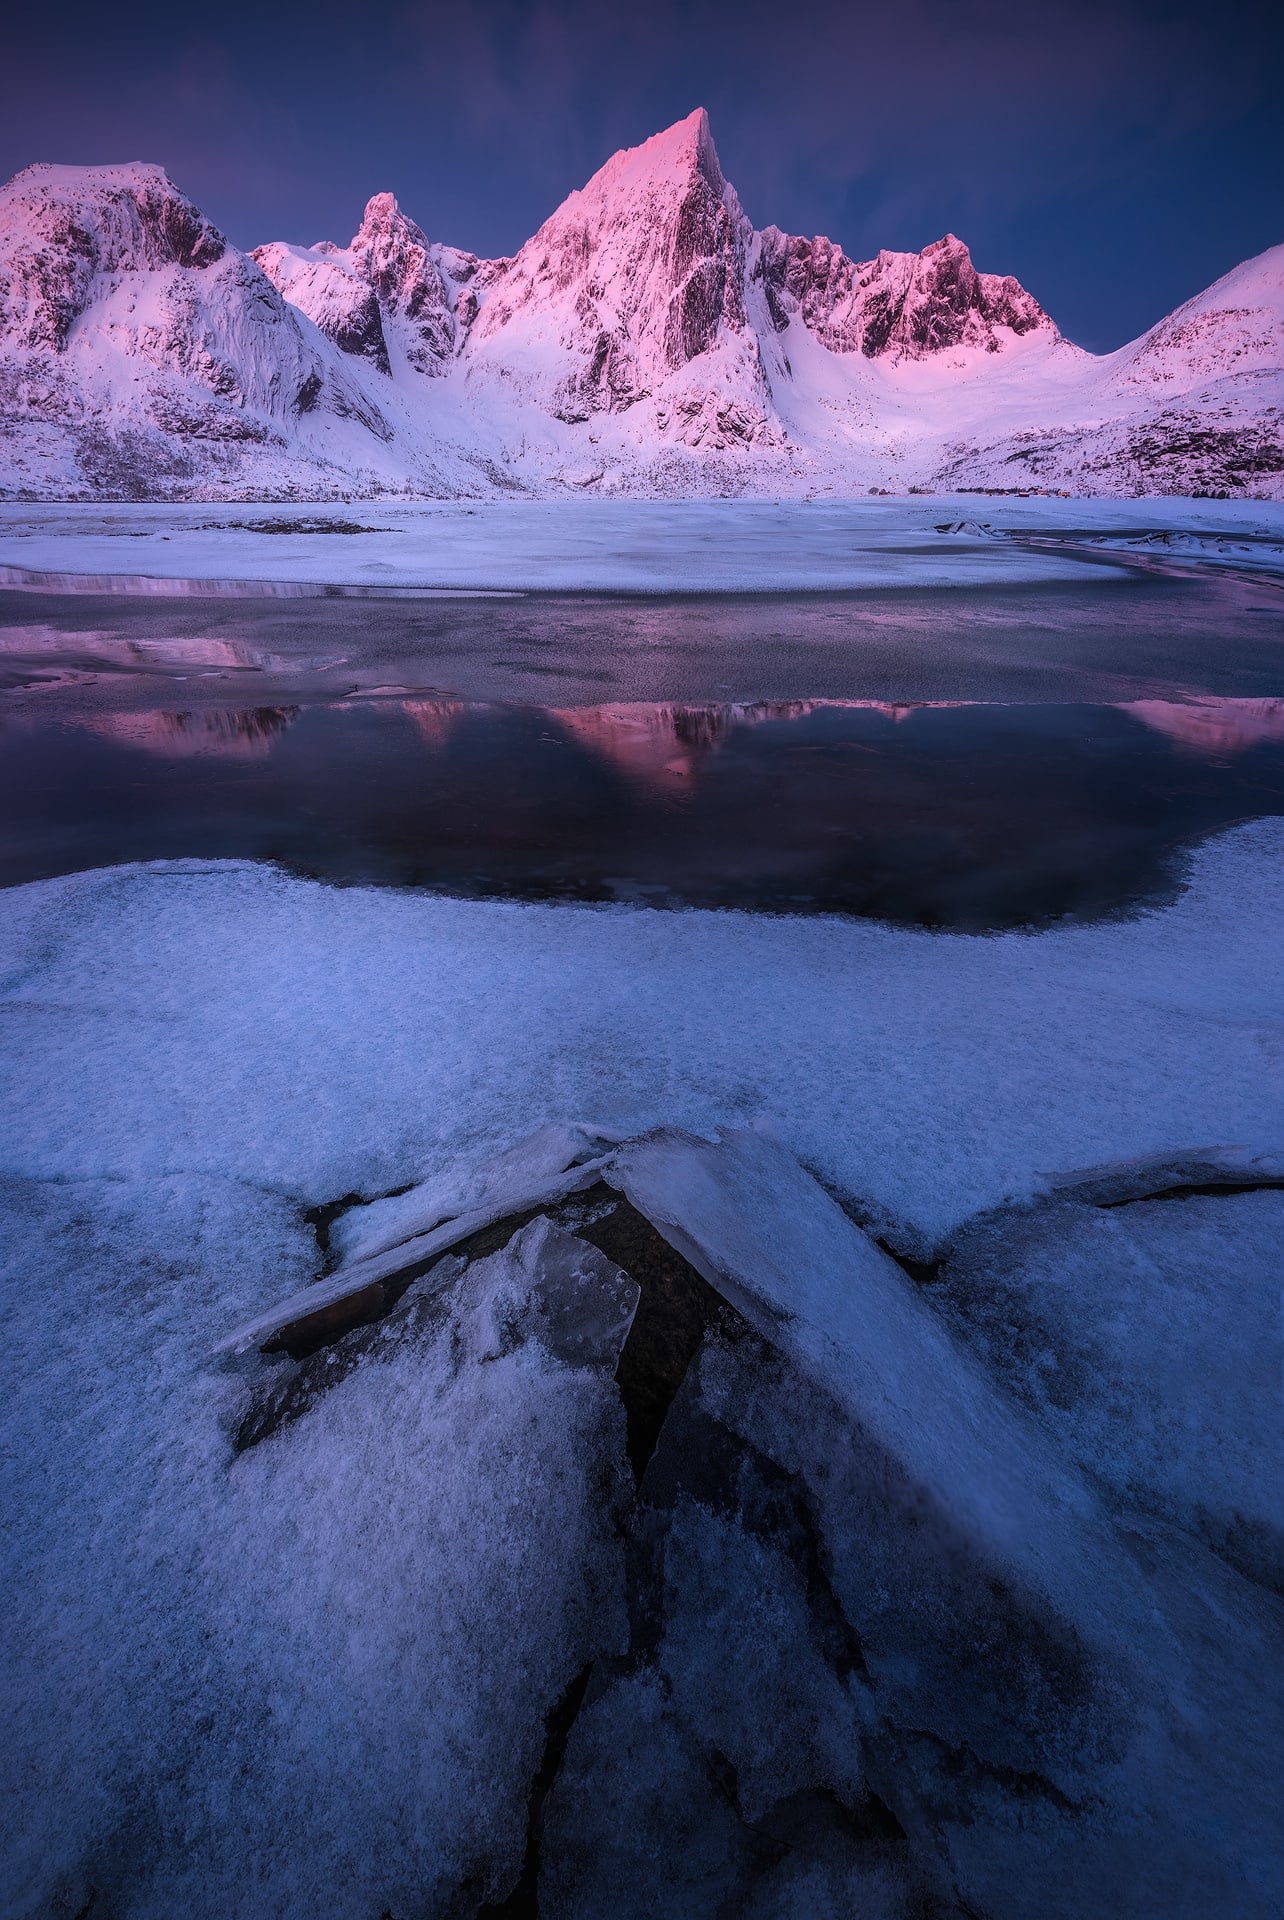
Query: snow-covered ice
[(225, 1019), (320, 1669), (1102, 1318), (312, 1678), (631, 546)]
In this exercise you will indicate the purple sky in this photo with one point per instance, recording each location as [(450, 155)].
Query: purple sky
[(1116, 155)]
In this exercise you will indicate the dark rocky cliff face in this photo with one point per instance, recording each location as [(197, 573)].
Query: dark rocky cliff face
[(393, 255), (904, 304), (55, 235)]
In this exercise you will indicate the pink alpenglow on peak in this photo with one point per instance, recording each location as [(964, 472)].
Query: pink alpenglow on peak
[(647, 340), (60, 226), (899, 304)]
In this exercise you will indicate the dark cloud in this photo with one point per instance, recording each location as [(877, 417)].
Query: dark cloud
[(1115, 156)]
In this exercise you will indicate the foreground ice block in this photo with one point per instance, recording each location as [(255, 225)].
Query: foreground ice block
[(468, 1186), (1073, 1707), (311, 1678), (389, 1238)]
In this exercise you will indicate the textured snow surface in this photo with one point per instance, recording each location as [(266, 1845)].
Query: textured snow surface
[(311, 1678), (646, 340), (917, 1602), (228, 1020), (636, 546), (1101, 1318)]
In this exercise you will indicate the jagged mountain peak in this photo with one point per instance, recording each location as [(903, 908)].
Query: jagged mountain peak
[(61, 225), (636, 276), (898, 305), (387, 285), (668, 159)]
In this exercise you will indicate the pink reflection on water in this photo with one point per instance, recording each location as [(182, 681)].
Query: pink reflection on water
[(662, 745), (1211, 725), (434, 720), (243, 734)]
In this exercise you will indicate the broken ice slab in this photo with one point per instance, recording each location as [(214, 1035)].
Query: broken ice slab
[(466, 1186), (552, 1287), (760, 1229), (1113, 1181), (356, 1283), (1080, 1706), (546, 1285)]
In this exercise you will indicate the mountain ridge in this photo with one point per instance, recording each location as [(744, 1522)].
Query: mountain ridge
[(647, 339)]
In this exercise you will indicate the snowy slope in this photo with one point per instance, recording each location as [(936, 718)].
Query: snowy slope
[(646, 341)]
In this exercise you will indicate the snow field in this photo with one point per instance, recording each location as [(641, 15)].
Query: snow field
[(223, 1019), (633, 546)]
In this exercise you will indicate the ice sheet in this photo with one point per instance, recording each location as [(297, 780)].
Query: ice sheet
[(311, 1678), (227, 1020), (637, 546), (1149, 1339)]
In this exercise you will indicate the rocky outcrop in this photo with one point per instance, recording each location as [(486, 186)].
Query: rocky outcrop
[(393, 256), (61, 226), (330, 294), (905, 305)]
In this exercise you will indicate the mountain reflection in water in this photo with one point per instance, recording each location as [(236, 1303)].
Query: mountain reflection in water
[(942, 814)]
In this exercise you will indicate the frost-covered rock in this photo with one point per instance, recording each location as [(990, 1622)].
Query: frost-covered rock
[(333, 297), (899, 304)]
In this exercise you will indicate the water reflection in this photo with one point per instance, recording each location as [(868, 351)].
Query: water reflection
[(657, 743), (1213, 726), (940, 814), (245, 733)]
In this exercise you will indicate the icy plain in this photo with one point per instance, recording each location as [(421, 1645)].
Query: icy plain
[(194, 1052), (319, 1673), (633, 546)]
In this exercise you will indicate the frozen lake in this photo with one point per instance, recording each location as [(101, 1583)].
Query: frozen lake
[(829, 1452), (974, 759)]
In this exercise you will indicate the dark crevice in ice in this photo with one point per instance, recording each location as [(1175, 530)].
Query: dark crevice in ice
[(922, 1265), (523, 1902), (282, 1397), (702, 1460), (922, 1272), (1195, 1189), (960, 1764), (322, 1218), (675, 1309)]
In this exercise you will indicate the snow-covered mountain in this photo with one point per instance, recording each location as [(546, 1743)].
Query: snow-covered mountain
[(646, 340)]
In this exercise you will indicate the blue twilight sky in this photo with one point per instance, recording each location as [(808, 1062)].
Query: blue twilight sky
[(1116, 155)]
